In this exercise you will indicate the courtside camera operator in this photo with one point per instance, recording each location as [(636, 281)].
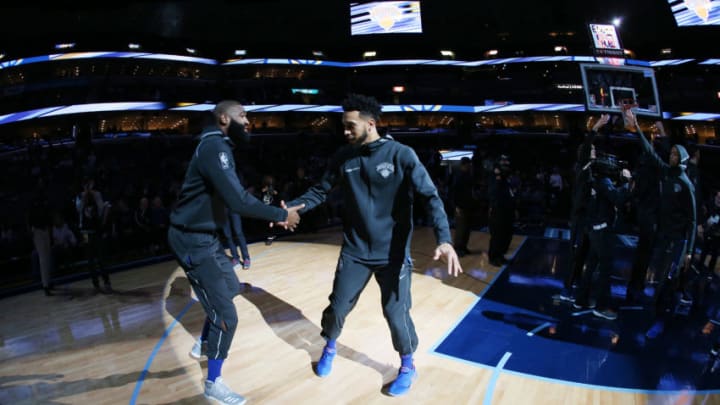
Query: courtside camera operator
[(603, 197)]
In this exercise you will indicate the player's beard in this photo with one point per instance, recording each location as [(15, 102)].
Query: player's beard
[(237, 133), (359, 141)]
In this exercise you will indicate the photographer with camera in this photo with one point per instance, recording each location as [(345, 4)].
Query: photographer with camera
[(502, 212), (579, 242), (608, 189), (676, 225)]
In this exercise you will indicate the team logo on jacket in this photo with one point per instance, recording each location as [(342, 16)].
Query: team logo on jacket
[(677, 188), (224, 160), (385, 169)]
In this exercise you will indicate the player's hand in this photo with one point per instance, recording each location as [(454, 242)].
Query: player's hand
[(604, 119), (285, 224), (448, 252), (293, 218), (660, 127), (630, 118)]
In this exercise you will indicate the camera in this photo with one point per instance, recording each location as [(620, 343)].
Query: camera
[(608, 165)]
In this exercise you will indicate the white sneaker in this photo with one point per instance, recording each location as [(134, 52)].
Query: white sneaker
[(219, 392), (237, 266), (199, 350)]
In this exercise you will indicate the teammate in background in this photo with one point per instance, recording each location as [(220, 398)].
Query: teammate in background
[(503, 212), (234, 239), (676, 225), (462, 186), (646, 197), (379, 178)]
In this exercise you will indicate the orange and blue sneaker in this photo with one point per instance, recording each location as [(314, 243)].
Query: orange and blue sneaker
[(402, 383), (324, 365)]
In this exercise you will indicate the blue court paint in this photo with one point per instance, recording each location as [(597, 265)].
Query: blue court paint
[(578, 348), (605, 388), (150, 359), (143, 373), (433, 349), (493, 380)]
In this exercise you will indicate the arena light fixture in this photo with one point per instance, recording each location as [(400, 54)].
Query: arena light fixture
[(369, 54), (447, 53), (240, 52), (66, 45), (133, 45)]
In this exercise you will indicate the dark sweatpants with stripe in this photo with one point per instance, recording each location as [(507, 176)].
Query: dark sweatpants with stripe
[(213, 279), (351, 277)]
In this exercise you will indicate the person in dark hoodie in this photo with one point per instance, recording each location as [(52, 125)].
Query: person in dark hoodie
[(378, 178), (604, 198), (579, 240), (646, 197), (211, 184), (502, 212), (676, 229)]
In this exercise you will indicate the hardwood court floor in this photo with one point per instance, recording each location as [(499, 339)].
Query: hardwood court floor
[(132, 346)]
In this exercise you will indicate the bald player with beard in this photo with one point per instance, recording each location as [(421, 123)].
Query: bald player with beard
[(211, 184)]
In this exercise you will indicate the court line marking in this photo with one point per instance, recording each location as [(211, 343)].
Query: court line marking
[(146, 369), (493, 380), (156, 349), (539, 328)]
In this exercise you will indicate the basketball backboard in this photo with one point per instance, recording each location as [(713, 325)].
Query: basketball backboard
[(609, 88)]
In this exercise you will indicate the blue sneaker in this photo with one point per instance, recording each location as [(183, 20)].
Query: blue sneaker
[(402, 383), (655, 330), (324, 365)]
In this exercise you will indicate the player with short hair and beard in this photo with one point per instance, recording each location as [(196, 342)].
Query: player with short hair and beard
[(379, 178)]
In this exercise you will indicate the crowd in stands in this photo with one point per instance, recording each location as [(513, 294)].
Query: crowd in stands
[(137, 182)]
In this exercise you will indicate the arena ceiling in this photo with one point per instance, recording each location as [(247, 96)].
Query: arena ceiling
[(215, 27)]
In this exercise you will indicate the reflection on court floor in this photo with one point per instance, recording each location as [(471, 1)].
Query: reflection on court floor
[(518, 324)]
